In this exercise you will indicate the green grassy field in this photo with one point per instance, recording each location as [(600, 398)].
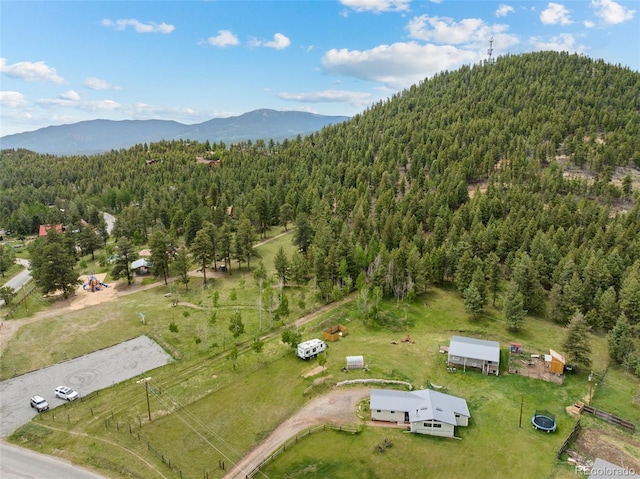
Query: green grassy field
[(205, 410)]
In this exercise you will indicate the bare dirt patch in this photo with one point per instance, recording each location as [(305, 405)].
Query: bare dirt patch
[(536, 368), (84, 296), (313, 372), (610, 446)]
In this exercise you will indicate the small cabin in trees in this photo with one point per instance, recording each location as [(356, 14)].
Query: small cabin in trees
[(141, 266), (474, 353)]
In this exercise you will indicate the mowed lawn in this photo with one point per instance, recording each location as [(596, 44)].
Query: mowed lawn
[(494, 444), (205, 410)]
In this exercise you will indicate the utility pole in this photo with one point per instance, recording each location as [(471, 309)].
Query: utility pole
[(521, 405), (590, 386), (145, 381)]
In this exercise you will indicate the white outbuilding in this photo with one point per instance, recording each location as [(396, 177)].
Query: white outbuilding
[(355, 362)]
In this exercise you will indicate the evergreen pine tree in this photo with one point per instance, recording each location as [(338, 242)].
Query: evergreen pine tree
[(514, 311), (577, 346)]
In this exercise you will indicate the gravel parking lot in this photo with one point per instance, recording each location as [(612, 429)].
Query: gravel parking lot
[(85, 374)]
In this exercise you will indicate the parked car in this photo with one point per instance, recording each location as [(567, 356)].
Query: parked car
[(39, 403), (63, 392)]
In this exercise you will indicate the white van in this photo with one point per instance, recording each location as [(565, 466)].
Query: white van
[(310, 349)]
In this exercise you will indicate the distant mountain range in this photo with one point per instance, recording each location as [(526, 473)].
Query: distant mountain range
[(98, 136)]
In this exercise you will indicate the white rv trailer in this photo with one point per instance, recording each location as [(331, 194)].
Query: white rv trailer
[(310, 349)]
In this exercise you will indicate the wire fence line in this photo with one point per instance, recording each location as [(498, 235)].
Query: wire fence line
[(294, 440)]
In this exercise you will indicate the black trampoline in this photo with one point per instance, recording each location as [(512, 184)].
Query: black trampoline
[(544, 421)]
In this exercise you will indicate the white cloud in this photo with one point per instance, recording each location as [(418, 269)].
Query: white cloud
[(97, 105), (504, 10), (612, 12), (138, 111), (328, 96), (377, 6), (70, 95), (398, 65), (555, 14), (279, 42), (589, 24), (30, 71), (224, 38), (12, 99), (564, 42), (138, 26), (447, 31), (94, 83)]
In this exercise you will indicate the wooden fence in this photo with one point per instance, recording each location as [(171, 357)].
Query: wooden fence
[(294, 440), (618, 421), (574, 432), (26, 292)]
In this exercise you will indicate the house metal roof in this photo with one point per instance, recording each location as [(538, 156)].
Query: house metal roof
[(422, 405), (139, 263), (475, 348)]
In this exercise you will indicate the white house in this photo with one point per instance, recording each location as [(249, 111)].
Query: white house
[(424, 411), (474, 353)]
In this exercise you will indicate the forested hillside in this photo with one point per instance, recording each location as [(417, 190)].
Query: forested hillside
[(501, 171)]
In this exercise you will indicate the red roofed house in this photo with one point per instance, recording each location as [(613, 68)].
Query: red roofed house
[(44, 229)]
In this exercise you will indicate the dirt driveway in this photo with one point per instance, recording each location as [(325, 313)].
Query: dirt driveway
[(337, 407)]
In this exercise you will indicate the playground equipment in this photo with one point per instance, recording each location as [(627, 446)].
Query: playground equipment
[(93, 284), (544, 420)]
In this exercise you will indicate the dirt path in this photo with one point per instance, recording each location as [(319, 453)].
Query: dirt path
[(80, 300), (336, 407)]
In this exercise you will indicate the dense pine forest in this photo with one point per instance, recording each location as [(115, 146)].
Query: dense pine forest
[(515, 180)]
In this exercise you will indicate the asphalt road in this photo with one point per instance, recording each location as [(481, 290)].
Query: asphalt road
[(20, 279), (19, 463), (85, 374)]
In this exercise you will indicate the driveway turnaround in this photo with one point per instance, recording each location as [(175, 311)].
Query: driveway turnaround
[(85, 374)]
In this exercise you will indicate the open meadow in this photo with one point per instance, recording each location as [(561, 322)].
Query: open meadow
[(207, 408)]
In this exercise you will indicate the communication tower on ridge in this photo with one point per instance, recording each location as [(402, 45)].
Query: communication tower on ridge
[(490, 50)]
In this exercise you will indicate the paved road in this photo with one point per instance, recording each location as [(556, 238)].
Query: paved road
[(20, 279), (19, 463), (85, 374)]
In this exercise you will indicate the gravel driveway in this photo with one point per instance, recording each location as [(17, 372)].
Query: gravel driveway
[(85, 374), (337, 407)]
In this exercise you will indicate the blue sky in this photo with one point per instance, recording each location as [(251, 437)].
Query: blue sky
[(190, 61)]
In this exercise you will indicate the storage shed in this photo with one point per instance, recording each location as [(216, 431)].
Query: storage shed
[(474, 353), (515, 348), (355, 362), (557, 362)]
